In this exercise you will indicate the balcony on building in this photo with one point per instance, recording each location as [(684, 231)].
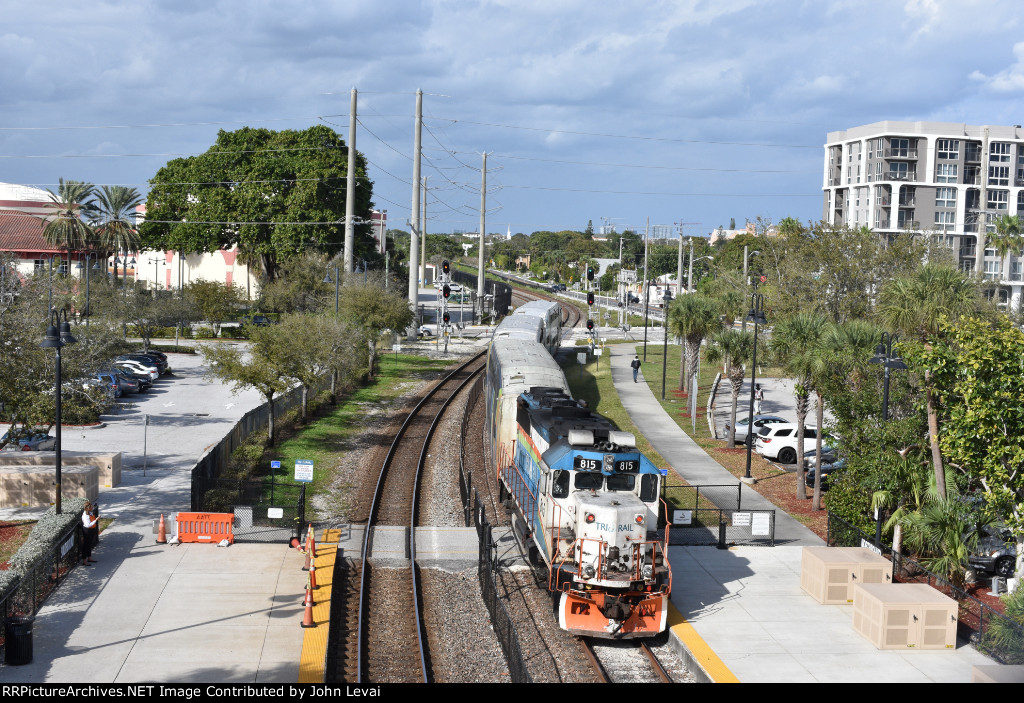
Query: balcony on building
[(972, 155), (901, 153)]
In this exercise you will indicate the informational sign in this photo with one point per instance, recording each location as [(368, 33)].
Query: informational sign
[(396, 348), (275, 464), (682, 517), (599, 351), (303, 470), (741, 519), (868, 545), (582, 358), (761, 525), (275, 512)]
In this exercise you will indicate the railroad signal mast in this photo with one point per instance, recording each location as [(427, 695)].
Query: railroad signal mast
[(591, 325), (444, 292)]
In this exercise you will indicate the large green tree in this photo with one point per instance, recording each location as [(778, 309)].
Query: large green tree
[(65, 227), (915, 305), (372, 310), (979, 370), (734, 350), (274, 194)]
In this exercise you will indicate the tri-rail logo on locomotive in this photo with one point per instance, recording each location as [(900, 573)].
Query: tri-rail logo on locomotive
[(584, 499)]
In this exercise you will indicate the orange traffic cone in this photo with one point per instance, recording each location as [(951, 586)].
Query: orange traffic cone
[(161, 533), (307, 616), (312, 576), (312, 542)]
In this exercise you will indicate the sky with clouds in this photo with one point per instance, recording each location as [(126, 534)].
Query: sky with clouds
[(677, 112)]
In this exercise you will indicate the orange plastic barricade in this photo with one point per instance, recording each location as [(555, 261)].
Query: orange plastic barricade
[(205, 527)]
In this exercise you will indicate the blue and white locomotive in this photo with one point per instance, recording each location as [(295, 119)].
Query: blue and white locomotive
[(584, 498)]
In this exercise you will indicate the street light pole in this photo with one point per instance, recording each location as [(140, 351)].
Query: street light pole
[(756, 315), (884, 355), (55, 340), (664, 346)]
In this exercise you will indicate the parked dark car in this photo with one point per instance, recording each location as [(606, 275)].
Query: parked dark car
[(257, 320), (113, 380), (145, 383), (35, 440), (996, 553), (826, 471)]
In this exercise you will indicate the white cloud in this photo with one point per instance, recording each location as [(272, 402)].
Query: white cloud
[(1009, 80)]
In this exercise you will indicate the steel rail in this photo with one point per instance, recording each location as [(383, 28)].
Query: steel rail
[(374, 509)]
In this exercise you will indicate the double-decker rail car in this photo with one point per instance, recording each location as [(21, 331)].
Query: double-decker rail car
[(584, 499)]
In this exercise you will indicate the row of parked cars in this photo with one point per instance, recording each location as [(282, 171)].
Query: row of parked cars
[(775, 439), (130, 373)]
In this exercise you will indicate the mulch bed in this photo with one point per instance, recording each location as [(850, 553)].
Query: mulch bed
[(12, 536)]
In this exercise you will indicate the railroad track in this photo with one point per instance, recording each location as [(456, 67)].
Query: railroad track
[(624, 661), (391, 644)]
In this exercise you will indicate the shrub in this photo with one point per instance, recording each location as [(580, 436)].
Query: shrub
[(44, 537), (205, 333)]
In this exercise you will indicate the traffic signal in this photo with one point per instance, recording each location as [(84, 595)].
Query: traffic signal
[(446, 291), (445, 266), (590, 273), (446, 317), (590, 325), (590, 298)]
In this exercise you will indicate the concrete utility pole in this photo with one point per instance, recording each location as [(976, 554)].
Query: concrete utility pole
[(350, 187), (414, 225), (423, 235), (483, 229), (689, 273)]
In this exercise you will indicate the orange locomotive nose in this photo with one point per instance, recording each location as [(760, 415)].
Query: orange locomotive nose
[(633, 615)]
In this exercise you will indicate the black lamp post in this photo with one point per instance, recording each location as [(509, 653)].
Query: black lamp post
[(85, 268), (664, 348), (55, 340), (756, 315), (883, 355), (337, 279)]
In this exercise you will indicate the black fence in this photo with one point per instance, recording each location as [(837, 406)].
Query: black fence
[(989, 630), (713, 514), (487, 562), (721, 527), (29, 594), (212, 464), (264, 510)]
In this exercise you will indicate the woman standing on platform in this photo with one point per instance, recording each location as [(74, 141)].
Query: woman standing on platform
[(88, 531)]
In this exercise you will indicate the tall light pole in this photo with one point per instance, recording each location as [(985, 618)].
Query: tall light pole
[(756, 315), (55, 340), (337, 278), (689, 275), (883, 355), (96, 267), (664, 346)]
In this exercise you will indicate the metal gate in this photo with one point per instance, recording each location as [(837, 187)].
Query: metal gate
[(265, 511)]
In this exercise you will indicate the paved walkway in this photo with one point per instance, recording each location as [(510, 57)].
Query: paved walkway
[(745, 603), (682, 453)]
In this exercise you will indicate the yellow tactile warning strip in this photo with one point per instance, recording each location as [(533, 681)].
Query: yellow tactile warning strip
[(314, 641), (699, 650)]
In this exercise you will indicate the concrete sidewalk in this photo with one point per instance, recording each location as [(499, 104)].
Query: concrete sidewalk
[(745, 602), (682, 453)]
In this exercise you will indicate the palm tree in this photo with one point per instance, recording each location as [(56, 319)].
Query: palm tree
[(116, 217), (913, 305), (845, 348), (734, 349), (693, 318), (797, 346), (1008, 239), (64, 226)]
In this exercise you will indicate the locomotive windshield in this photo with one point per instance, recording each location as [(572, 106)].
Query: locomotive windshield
[(621, 482), (588, 481)]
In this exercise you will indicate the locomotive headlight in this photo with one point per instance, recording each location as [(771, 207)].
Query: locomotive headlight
[(589, 517), (639, 518), (588, 571), (647, 571)]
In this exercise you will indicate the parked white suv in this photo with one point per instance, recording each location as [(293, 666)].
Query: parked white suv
[(778, 441)]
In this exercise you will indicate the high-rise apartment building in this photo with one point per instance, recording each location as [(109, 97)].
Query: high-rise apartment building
[(951, 181)]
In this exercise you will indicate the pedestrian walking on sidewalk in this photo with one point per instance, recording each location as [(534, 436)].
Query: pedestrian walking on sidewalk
[(758, 398), (636, 367)]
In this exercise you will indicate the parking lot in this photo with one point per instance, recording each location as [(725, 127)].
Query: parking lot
[(187, 414)]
